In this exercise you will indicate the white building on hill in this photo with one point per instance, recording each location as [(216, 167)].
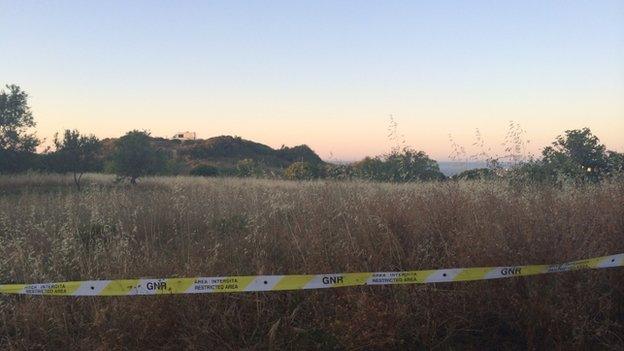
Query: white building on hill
[(184, 136)]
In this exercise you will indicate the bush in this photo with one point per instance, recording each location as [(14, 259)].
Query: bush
[(302, 171), (205, 171), (399, 166), (339, 172)]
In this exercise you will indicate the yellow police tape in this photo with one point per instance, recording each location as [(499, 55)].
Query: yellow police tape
[(202, 285)]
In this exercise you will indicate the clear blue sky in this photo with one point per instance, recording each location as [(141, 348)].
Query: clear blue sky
[(325, 73)]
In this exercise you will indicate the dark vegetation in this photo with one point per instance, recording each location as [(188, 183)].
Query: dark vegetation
[(75, 154), (134, 156), (17, 146)]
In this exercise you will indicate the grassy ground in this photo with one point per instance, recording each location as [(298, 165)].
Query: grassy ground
[(167, 227)]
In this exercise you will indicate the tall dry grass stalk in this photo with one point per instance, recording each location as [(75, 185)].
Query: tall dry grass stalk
[(167, 227)]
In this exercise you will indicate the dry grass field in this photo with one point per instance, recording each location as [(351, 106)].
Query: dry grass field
[(167, 227)]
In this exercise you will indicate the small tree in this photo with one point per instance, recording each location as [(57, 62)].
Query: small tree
[(134, 156), (16, 145), (408, 165), (578, 154), (77, 153)]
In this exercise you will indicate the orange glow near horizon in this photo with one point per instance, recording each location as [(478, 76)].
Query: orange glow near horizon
[(341, 134)]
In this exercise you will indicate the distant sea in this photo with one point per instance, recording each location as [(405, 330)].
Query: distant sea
[(450, 168)]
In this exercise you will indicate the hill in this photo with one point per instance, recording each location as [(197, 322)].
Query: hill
[(226, 151)]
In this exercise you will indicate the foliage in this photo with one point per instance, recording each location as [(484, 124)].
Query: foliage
[(205, 171), (370, 168), (578, 154), (302, 171), (77, 154), (249, 168), (134, 156), (575, 157), (615, 162), (403, 165), (340, 172), (410, 165), (531, 172), (300, 153), (224, 148), (16, 145)]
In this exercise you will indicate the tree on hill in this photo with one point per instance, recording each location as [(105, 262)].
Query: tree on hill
[(134, 156), (17, 147), (77, 154), (234, 149), (299, 153), (227, 147)]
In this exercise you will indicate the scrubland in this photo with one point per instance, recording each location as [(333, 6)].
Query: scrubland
[(168, 227)]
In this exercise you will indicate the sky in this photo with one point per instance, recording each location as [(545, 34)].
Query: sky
[(328, 74)]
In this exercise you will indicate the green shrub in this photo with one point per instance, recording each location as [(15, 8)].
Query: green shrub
[(399, 166), (205, 171)]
